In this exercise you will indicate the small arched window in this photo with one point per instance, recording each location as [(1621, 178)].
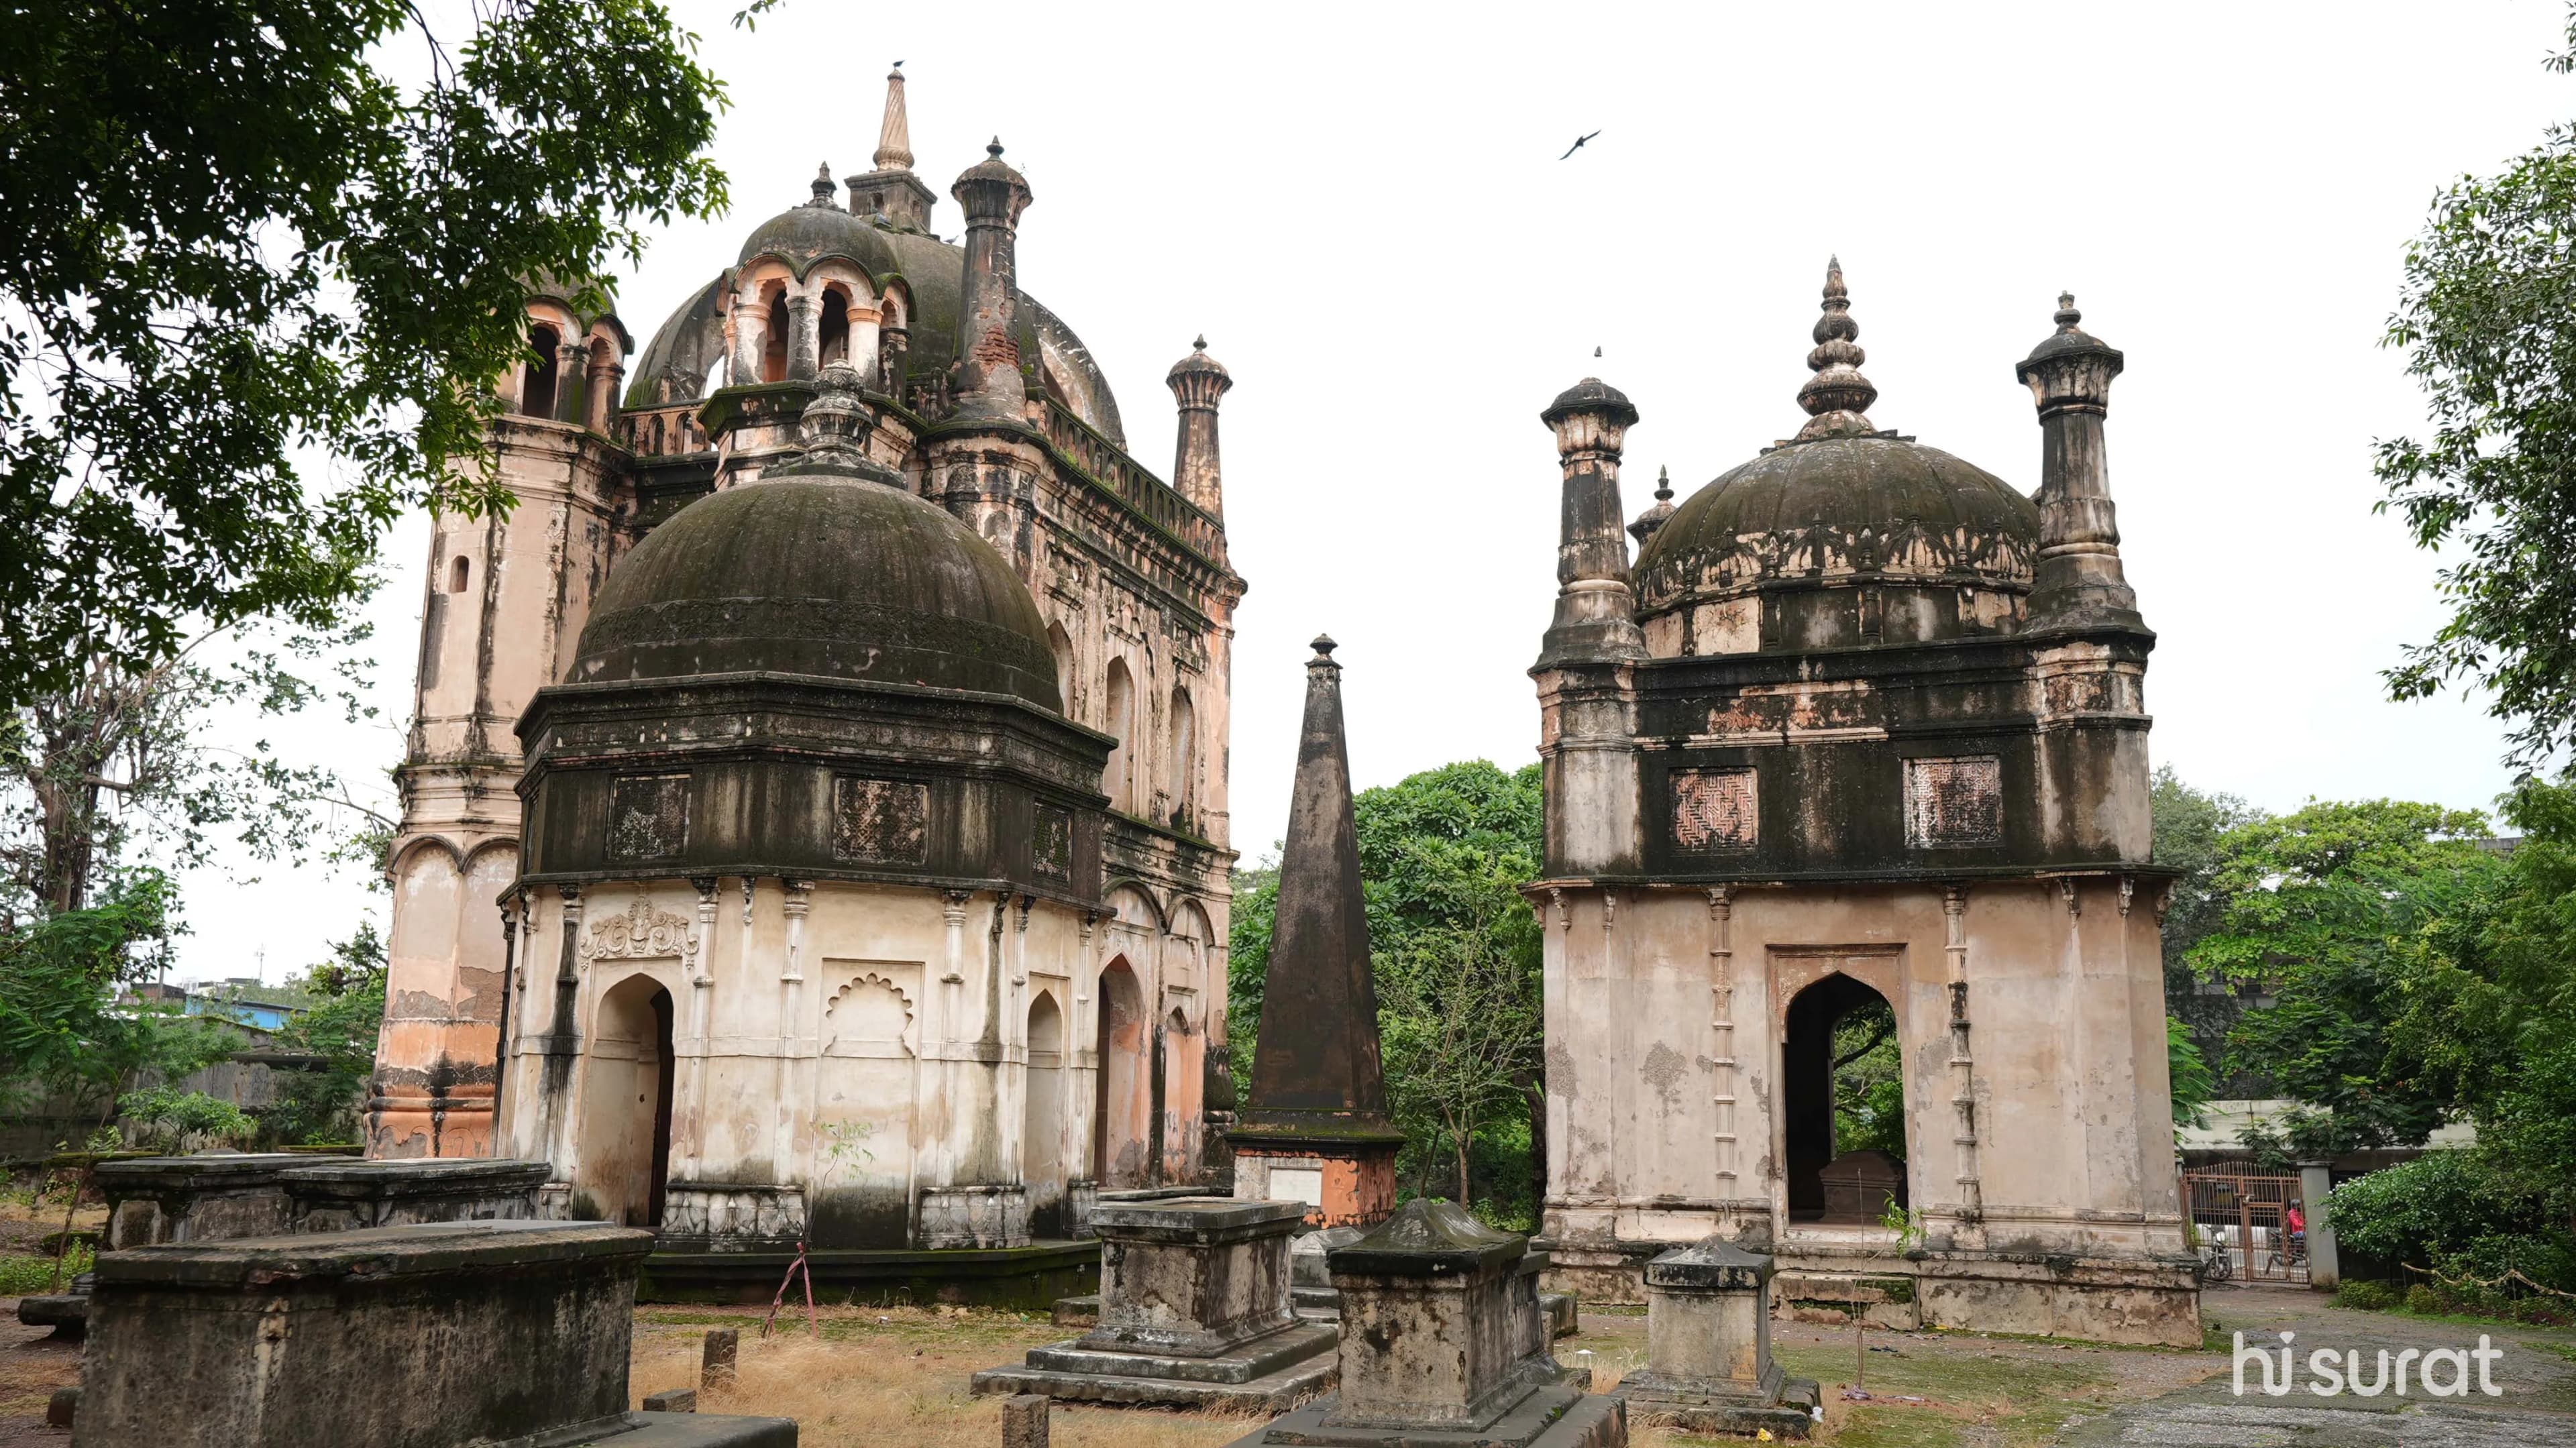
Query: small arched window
[(459, 575), (773, 350), (537, 386), (1121, 722), (834, 339), (1183, 759)]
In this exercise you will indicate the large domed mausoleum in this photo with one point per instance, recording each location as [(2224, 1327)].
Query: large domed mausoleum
[(815, 820)]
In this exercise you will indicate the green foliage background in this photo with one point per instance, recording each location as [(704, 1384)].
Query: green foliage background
[(1443, 855)]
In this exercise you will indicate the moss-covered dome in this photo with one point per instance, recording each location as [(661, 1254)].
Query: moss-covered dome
[(820, 573), (1831, 509)]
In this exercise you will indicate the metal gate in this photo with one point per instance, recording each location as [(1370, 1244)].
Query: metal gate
[(2248, 1228)]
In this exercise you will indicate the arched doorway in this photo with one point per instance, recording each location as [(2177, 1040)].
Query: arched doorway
[(1842, 1103), (1176, 1098), (1121, 1137), (1042, 1119), (624, 1145)]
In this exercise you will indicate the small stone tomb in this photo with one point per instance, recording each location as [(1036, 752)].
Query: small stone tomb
[(1194, 1313), (424, 1336), (1310, 1281), (1443, 1343), (1708, 1347)]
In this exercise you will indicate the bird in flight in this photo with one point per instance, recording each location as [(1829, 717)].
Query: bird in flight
[(1578, 145)]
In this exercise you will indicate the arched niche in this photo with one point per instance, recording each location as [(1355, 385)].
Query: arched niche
[(623, 1140)]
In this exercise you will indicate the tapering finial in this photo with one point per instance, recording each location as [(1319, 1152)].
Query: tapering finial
[(2067, 316), (1200, 345), (894, 136), (1651, 521), (993, 148), (1596, 351), (823, 186), (1835, 396), (1324, 647)]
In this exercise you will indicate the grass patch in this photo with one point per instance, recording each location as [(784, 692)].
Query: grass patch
[(22, 1275)]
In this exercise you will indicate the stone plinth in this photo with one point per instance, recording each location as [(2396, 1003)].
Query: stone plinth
[(1194, 1311), (422, 1336), (1708, 1347), (203, 1198), (974, 1217), (1344, 1183), (342, 1196), (1443, 1342)]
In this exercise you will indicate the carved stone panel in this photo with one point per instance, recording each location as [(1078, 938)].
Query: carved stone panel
[(1051, 851), (1953, 802), (648, 817), (1717, 810), (880, 821)]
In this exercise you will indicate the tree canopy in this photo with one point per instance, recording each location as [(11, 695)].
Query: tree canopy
[(2482, 319), (1455, 950), (245, 234)]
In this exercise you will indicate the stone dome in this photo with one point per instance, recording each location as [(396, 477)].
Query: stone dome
[(674, 365), (1835, 509), (820, 572)]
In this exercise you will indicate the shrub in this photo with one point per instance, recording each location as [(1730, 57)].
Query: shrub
[(159, 1118), (2422, 1298), (2366, 1296), (2442, 1201)]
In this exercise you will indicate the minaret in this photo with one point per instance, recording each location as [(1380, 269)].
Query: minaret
[(2079, 580), (1595, 607), (1836, 396), (891, 190), (1197, 382), (1315, 1127), (989, 385), (1585, 674)]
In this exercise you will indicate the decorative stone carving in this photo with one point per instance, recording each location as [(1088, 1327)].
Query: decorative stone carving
[(880, 821), (1051, 850), (648, 817), (1954, 802), (1715, 809), (640, 932)]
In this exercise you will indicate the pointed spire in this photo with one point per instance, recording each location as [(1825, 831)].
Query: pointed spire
[(1316, 1071), (894, 137), (1654, 518), (822, 186), (1836, 396)]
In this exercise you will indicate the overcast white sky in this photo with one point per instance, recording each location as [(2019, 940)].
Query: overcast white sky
[(1363, 209)]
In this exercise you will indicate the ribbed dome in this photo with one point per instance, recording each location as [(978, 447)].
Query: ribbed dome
[(1837, 507), (822, 575)]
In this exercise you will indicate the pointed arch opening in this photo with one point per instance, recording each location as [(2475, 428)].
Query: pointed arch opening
[(1182, 760), (832, 336), (624, 1144), (1042, 1118), (1119, 782), (1122, 1118), (1060, 644), (1843, 1104), (541, 377), (773, 345)]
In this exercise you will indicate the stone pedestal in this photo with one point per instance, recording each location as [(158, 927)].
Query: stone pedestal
[(1443, 1343), (204, 1198), (1708, 1347), (340, 1196), (1194, 1312), (421, 1336)]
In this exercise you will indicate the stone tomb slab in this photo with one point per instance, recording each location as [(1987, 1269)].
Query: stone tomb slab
[(1444, 1346), (1194, 1312), (422, 1336)]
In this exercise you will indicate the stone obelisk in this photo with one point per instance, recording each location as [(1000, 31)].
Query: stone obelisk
[(1315, 1127)]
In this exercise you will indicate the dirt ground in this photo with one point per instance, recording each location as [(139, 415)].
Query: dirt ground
[(898, 1376)]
